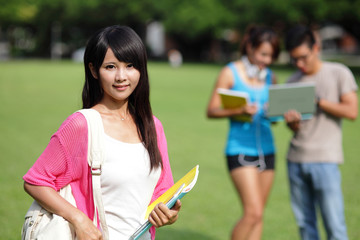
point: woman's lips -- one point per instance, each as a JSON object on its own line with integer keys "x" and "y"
{"x": 121, "y": 87}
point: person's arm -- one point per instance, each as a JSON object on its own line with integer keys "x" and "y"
{"x": 162, "y": 215}
{"x": 51, "y": 172}
{"x": 214, "y": 109}
{"x": 346, "y": 108}
{"x": 49, "y": 199}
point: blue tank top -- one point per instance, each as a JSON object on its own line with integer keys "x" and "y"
{"x": 251, "y": 138}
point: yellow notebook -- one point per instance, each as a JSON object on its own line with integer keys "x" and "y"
{"x": 189, "y": 180}
{"x": 234, "y": 99}
{"x": 177, "y": 191}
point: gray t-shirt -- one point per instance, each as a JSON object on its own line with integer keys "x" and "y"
{"x": 319, "y": 139}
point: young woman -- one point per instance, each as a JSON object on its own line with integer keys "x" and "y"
{"x": 136, "y": 169}
{"x": 250, "y": 150}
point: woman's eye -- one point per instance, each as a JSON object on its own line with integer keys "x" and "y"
{"x": 110, "y": 67}
{"x": 130, "y": 65}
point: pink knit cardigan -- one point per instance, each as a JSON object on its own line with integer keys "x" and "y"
{"x": 64, "y": 161}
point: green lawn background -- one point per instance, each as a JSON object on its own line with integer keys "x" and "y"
{"x": 37, "y": 96}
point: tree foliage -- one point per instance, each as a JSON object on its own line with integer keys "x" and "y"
{"x": 186, "y": 19}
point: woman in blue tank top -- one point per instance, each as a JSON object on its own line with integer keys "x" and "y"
{"x": 250, "y": 150}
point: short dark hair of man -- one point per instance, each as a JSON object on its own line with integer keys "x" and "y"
{"x": 299, "y": 35}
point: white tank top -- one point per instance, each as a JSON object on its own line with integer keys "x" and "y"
{"x": 127, "y": 187}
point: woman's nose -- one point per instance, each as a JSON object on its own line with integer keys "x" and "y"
{"x": 120, "y": 75}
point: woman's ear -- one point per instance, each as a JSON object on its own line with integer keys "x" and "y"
{"x": 249, "y": 49}
{"x": 93, "y": 71}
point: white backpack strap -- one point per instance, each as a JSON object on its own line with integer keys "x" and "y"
{"x": 95, "y": 161}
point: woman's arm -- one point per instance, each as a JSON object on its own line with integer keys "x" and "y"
{"x": 49, "y": 199}
{"x": 214, "y": 109}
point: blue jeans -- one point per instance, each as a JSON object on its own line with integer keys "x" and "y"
{"x": 315, "y": 185}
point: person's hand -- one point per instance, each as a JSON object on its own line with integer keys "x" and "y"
{"x": 292, "y": 119}
{"x": 162, "y": 215}
{"x": 249, "y": 109}
{"x": 85, "y": 229}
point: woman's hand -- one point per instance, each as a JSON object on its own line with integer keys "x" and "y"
{"x": 85, "y": 228}
{"x": 292, "y": 119}
{"x": 49, "y": 199}
{"x": 249, "y": 109}
{"x": 162, "y": 215}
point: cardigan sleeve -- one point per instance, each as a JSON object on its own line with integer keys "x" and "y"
{"x": 62, "y": 161}
{"x": 166, "y": 178}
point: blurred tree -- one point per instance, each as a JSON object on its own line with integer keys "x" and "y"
{"x": 16, "y": 12}
{"x": 193, "y": 18}
{"x": 190, "y": 22}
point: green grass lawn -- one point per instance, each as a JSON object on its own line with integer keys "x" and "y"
{"x": 36, "y": 96}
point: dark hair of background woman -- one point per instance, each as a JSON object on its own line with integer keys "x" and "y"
{"x": 127, "y": 47}
{"x": 256, "y": 35}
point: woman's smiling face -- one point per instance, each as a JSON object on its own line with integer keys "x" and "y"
{"x": 261, "y": 56}
{"x": 118, "y": 79}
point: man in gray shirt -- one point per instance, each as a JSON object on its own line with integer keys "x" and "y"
{"x": 316, "y": 147}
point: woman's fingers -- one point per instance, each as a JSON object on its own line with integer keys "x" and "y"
{"x": 162, "y": 215}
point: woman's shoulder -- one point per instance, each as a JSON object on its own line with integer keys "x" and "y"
{"x": 228, "y": 71}
{"x": 76, "y": 119}
{"x": 158, "y": 127}
{"x": 157, "y": 122}
{"x": 75, "y": 124}
{"x": 238, "y": 64}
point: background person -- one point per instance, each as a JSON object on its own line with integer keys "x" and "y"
{"x": 136, "y": 169}
{"x": 250, "y": 149}
{"x": 316, "y": 147}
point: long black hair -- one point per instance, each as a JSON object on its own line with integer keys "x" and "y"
{"x": 127, "y": 47}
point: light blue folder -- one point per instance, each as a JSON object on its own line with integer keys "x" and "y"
{"x": 291, "y": 96}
